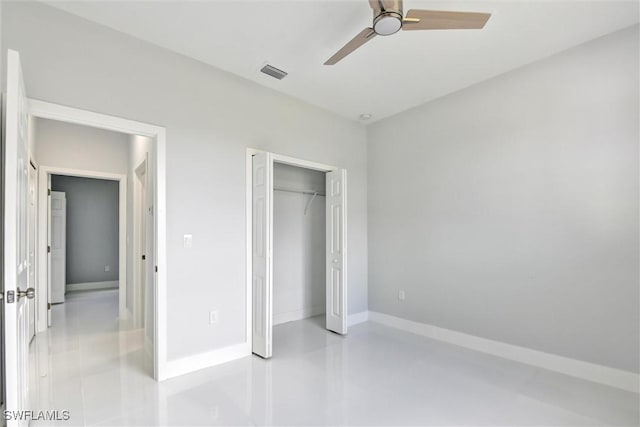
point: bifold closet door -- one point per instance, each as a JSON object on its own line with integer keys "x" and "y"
{"x": 262, "y": 226}
{"x": 336, "y": 276}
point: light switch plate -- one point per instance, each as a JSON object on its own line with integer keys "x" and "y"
{"x": 213, "y": 317}
{"x": 188, "y": 240}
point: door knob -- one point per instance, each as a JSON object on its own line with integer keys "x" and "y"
{"x": 30, "y": 293}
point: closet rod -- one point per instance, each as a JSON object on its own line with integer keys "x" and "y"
{"x": 292, "y": 190}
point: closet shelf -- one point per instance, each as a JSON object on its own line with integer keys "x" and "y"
{"x": 293, "y": 190}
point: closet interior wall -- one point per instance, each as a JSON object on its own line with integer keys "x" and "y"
{"x": 298, "y": 243}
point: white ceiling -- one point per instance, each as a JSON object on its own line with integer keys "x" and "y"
{"x": 384, "y": 77}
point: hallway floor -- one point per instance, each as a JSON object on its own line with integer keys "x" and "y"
{"x": 92, "y": 365}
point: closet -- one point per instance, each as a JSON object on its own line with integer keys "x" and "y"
{"x": 297, "y": 244}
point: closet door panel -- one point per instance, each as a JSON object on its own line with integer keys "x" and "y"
{"x": 262, "y": 303}
{"x": 336, "y": 263}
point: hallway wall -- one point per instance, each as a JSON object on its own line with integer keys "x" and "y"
{"x": 71, "y": 146}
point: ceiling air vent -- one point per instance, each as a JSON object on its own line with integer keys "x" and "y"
{"x": 273, "y": 72}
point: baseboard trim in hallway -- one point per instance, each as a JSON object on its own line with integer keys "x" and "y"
{"x": 617, "y": 378}
{"x": 92, "y": 286}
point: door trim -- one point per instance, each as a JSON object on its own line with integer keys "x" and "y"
{"x": 43, "y": 174}
{"x": 277, "y": 158}
{"x": 66, "y": 114}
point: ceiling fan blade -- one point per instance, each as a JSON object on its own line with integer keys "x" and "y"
{"x": 385, "y": 4}
{"x": 442, "y": 20}
{"x": 364, "y": 36}
{"x": 375, "y": 4}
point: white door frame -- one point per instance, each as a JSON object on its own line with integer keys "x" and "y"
{"x": 136, "y": 244}
{"x": 66, "y": 114}
{"x": 277, "y": 158}
{"x": 35, "y": 231}
{"x": 43, "y": 220}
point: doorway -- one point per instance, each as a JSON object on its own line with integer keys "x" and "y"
{"x": 53, "y": 281}
{"x": 152, "y": 139}
{"x": 260, "y": 249}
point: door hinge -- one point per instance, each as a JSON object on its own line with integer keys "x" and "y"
{"x": 48, "y": 191}
{"x": 156, "y": 268}
{"x": 48, "y": 249}
{"x": 48, "y": 306}
{"x": 11, "y": 297}
{"x": 144, "y": 257}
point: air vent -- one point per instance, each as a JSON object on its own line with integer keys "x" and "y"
{"x": 273, "y": 72}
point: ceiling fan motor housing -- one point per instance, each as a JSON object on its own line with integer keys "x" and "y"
{"x": 387, "y": 17}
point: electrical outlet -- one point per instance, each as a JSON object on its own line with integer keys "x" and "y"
{"x": 401, "y": 295}
{"x": 188, "y": 240}
{"x": 213, "y": 317}
{"x": 107, "y": 268}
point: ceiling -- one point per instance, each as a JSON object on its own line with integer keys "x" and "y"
{"x": 385, "y": 76}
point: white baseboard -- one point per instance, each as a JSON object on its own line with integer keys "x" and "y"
{"x": 91, "y": 286}
{"x": 185, "y": 365}
{"x": 291, "y": 316}
{"x": 355, "y": 318}
{"x": 624, "y": 380}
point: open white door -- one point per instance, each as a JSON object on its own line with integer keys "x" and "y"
{"x": 336, "y": 215}
{"x": 49, "y": 250}
{"x": 58, "y": 245}
{"x": 262, "y": 183}
{"x": 149, "y": 290}
{"x": 16, "y": 260}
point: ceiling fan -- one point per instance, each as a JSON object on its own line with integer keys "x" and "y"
{"x": 387, "y": 20}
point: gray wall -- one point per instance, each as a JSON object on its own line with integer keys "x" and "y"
{"x": 92, "y": 228}
{"x": 211, "y": 118}
{"x": 299, "y": 248}
{"x": 509, "y": 210}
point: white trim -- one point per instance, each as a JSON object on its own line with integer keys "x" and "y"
{"x": 200, "y": 361}
{"x": 136, "y": 242}
{"x": 41, "y": 300}
{"x": 249, "y": 244}
{"x": 92, "y": 286}
{"x": 307, "y": 164}
{"x": 44, "y": 172}
{"x": 62, "y": 113}
{"x": 624, "y": 380}
{"x": 292, "y": 316}
{"x": 158, "y": 133}
{"x": 356, "y": 318}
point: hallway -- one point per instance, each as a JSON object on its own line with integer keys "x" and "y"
{"x": 89, "y": 362}
{"x": 92, "y": 365}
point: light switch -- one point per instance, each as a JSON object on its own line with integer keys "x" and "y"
{"x": 188, "y": 240}
{"x": 213, "y": 317}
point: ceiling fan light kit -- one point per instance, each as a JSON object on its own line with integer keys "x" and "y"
{"x": 387, "y": 23}
{"x": 388, "y": 19}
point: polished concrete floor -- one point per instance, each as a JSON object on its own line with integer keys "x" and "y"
{"x": 92, "y": 365}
